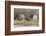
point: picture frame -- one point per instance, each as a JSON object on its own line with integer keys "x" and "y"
{"x": 10, "y": 5}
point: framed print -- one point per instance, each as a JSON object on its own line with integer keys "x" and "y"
{"x": 24, "y": 17}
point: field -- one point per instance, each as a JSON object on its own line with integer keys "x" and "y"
{"x": 26, "y": 23}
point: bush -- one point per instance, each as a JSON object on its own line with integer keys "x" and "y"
{"x": 27, "y": 19}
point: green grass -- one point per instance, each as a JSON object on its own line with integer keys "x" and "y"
{"x": 25, "y": 21}
{"x": 31, "y": 20}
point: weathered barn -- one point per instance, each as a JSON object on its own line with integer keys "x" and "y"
{"x": 28, "y": 13}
